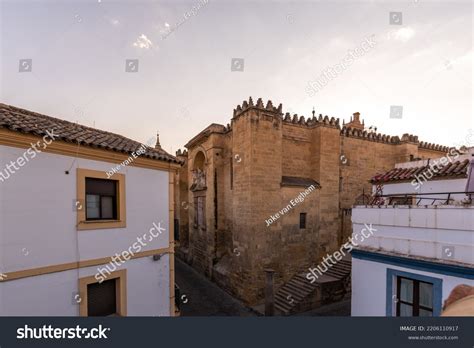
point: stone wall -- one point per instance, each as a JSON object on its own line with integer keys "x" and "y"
{"x": 244, "y": 165}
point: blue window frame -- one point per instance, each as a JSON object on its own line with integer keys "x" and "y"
{"x": 391, "y": 301}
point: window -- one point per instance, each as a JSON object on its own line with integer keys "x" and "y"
{"x": 415, "y": 298}
{"x": 101, "y": 299}
{"x": 101, "y": 199}
{"x": 302, "y": 220}
{"x": 106, "y": 298}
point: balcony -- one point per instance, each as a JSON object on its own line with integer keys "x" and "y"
{"x": 440, "y": 229}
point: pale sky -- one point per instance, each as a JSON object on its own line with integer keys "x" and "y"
{"x": 184, "y": 81}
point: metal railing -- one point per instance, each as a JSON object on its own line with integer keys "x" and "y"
{"x": 416, "y": 198}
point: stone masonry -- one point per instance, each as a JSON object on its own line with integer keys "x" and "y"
{"x": 237, "y": 176}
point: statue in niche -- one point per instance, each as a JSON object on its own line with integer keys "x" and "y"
{"x": 199, "y": 180}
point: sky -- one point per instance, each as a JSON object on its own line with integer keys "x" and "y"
{"x": 190, "y": 63}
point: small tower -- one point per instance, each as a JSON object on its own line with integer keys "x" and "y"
{"x": 158, "y": 145}
{"x": 355, "y": 122}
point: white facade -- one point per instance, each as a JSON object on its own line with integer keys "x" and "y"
{"x": 429, "y": 243}
{"x": 38, "y": 230}
{"x": 369, "y": 286}
{"x": 54, "y": 294}
{"x": 431, "y": 187}
{"x": 419, "y": 231}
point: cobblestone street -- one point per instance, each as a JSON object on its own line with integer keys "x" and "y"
{"x": 201, "y": 297}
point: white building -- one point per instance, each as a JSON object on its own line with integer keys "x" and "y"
{"x": 423, "y": 244}
{"x": 75, "y": 240}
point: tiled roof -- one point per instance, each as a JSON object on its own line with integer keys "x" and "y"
{"x": 296, "y": 181}
{"x": 24, "y": 121}
{"x": 452, "y": 170}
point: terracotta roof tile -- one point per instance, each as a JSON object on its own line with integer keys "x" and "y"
{"x": 452, "y": 170}
{"x": 25, "y": 121}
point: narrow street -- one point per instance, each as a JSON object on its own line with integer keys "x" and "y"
{"x": 201, "y": 297}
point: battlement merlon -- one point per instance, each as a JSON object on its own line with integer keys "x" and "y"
{"x": 355, "y": 128}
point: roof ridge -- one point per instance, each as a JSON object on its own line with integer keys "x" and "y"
{"x": 78, "y": 133}
{"x": 455, "y": 169}
{"x": 63, "y": 120}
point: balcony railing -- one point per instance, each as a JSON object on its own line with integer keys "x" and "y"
{"x": 442, "y": 198}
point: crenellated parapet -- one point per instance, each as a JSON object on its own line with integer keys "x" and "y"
{"x": 259, "y": 105}
{"x": 183, "y": 153}
{"x": 383, "y": 138}
{"x": 354, "y": 129}
{"x": 325, "y": 121}
{"x": 370, "y": 136}
{"x": 311, "y": 122}
{"x": 434, "y": 147}
{"x": 409, "y": 138}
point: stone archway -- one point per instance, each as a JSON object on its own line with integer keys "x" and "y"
{"x": 198, "y": 172}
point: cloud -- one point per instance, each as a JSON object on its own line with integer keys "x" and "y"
{"x": 402, "y": 34}
{"x": 143, "y": 42}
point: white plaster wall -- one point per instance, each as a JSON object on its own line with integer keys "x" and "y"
{"x": 369, "y": 284}
{"x": 148, "y": 291}
{"x": 38, "y": 219}
{"x": 38, "y": 228}
{"x": 419, "y": 231}
{"x": 148, "y": 287}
